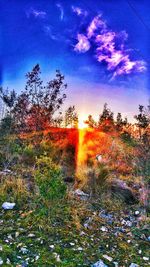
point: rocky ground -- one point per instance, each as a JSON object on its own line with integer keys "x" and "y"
{"x": 101, "y": 237}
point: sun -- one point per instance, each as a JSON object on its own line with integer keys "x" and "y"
{"x": 82, "y": 124}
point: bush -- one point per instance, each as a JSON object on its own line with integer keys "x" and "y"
{"x": 49, "y": 179}
{"x": 13, "y": 190}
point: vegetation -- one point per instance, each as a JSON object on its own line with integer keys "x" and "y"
{"x": 46, "y": 161}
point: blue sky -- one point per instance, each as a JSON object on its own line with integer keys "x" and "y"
{"x": 47, "y": 32}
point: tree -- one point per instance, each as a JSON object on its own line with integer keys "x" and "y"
{"x": 120, "y": 122}
{"x": 71, "y": 117}
{"x": 106, "y": 119}
{"x": 90, "y": 122}
{"x": 143, "y": 119}
{"x": 35, "y": 106}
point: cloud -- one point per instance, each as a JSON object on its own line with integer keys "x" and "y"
{"x": 109, "y": 47}
{"x": 83, "y": 44}
{"x": 36, "y": 13}
{"x": 79, "y": 11}
{"x": 61, "y": 11}
{"x": 49, "y": 32}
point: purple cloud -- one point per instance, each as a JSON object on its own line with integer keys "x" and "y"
{"x": 96, "y": 23}
{"x": 36, "y": 13}
{"x": 83, "y": 44}
{"x": 109, "y": 48}
{"x": 61, "y": 11}
{"x": 79, "y": 11}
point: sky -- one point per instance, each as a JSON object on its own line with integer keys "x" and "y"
{"x": 102, "y": 48}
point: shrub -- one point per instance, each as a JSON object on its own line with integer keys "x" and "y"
{"x": 49, "y": 179}
{"x": 13, "y": 189}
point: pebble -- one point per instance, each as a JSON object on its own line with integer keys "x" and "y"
{"x": 133, "y": 265}
{"x": 145, "y": 258}
{"x": 107, "y": 258}
{"x": 99, "y": 263}
{"x": 8, "y": 205}
{"x": 57, "y": 257}
{"x": 104, "y": 229}
{"x": 1, "y": 261}
{"x": 31, "y": 235}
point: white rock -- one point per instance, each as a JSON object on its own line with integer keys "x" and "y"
{"x": 16, "y": 234}
{"x": 80, "y": 193}
{"x": 136, "y": 212}
{"x": 145, "y": 258}
{"x": 99, "y": 263}
{"x": 104, "y": 229}
{"x": 72, "y": 244}
{"x": 24, "y": 250}
{"x": 79, "y": 248}
{"x": 57, "y": 257}
{"x": 8, "y": 261}
{"x": 37, "y": 257}
{"x": 31, "y": 235}
{"x": 107, "y": 258}
{"x": 115, "y": 263}
{"x": 134, "y": 265}
{"x": 8, "y": 205}
{"x": 1, "y": 261}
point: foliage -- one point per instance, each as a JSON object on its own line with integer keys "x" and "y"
{"x": 49, "y": 179}
{"x": 35, "y": 106}
{"x": 91, "y": 122}
{"x": 71, "y": 117}
{"x": 106, "y": 119}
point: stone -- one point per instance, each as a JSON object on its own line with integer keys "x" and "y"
{"x": 8, "y": 205}
{"x": 146, "y": 258}
{"x": 107, "y": 258}
{"x": 136, "y": 212}
{"x": 104, "y": 229}
{"x": 99, "y": 263}
{"x": 1, "y": 261}
{"x": 133, "y": 265}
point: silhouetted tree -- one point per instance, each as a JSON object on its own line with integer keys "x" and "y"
{"x": 91, "y": 122}
{"x": 142, "y": 119}
{"x": 71, "y": 117}
{"x": 34, "y": 108}
{"x": 106, "y": 119}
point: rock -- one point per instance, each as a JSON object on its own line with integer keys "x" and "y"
{"x": 107, "y": 258}
{"x": 57, "y": 257}
{"x": 148, "y": 238}
{"x": 8, "y": 205}
{"x": 31, "y": 235}
{"x": 120, "y": 189}
{"x": 99, "y": 263}
{"x": 1, "y": 261}
{"x": 133, "y": 265}
{"x": 146, "y": 258}
{"x": 104, "y": 229}
{"x": 81, "y": 194}
{"x": 79, "y": 249}
{"x": 8, "y": 261}
{"x": 24, "y": 250}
